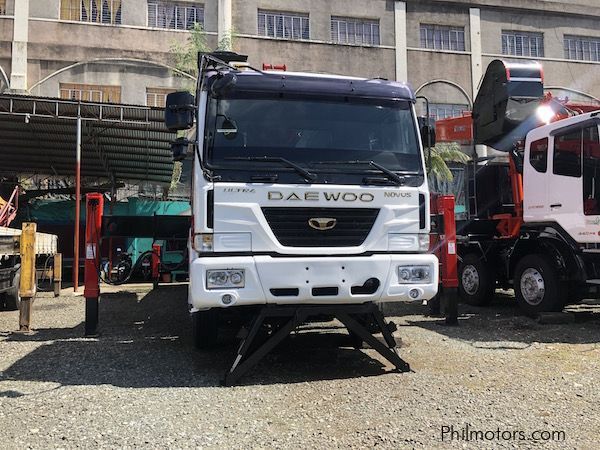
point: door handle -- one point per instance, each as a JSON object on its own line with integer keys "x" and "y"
{"x": 556, "y": 205}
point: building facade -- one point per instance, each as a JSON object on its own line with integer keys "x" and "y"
{"x": 120, "y": 50}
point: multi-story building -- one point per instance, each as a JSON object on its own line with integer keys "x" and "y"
{"x": 120, "y": 50}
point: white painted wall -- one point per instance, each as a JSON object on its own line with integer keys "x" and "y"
{"x": 18, "y": 75}
{"x": 400, "y": 37}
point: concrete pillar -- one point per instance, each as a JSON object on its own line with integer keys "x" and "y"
{"x": 224, "y": 25}
{"x": 400, "y": 37}
{"x": 18, "y": 75}
{"x": 476, "y": 61}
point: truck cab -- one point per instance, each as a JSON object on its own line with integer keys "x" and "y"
{"x": 561, "y": 178}
{"x": 306, "y": 189}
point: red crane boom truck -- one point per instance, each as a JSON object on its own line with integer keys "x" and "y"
{"x": 533, "y": 219}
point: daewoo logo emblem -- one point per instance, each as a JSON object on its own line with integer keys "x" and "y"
{"x": 322, "y": 223}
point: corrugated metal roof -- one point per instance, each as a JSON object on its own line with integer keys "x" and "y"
{"x": 120, "y": 142}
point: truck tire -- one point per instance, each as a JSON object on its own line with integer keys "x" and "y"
{"x": 476, "y": 282}
{"x": 537, "y": 287}
{"x": 205, "y": 329}
{"x": 12, "y": 299}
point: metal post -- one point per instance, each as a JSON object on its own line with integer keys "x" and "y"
{"x": 27, "y": 281}
{"x": 77, "y": 206}
{"x": 155, "y": 265}
{"x": 113, "y": 196}
{"x": 57, "y": 274}
{"x": 449, "y": 258}
{"x": 91, "y": 292}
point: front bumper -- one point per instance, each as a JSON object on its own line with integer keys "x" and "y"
{"x": 267, "y": 277}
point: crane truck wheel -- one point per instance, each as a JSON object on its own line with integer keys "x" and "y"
{"x": 205, "y": 329}
{"x": 476, "y": 283}
{"x": 12, "y": 299}
{"x": 537, "y": 286}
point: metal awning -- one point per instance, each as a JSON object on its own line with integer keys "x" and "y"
{"x": 118, "y": 142}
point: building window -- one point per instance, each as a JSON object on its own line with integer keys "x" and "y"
{"x": 283, "y": 25}
{"x": 97, "y": 11}
{"x": 519, "y": 43}
{"x": 582, "y": 48}
{"x": 90, "y": 92}
{"x": 439, "y": 111}
{"x": 175, "y": 16}
{"x": 157, "y": 97}
{"x": 2, "y": 7}
{"x": 439, "y": 37}
{"x": 346, "y": 30}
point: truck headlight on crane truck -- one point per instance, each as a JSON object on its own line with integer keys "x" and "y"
{"x": 220, "y": 279}
{"x": 414, "y": 274}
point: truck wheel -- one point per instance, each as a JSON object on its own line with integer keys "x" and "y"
{"x": 476, "y": 283}
{"x": 12, "y": 299}
{"x": 537, "y": 286}
{"x": 205, "y": 328}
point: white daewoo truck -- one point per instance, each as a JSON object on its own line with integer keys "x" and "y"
{"x": 307, "y": 190}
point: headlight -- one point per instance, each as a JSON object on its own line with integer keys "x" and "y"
{"x": 203, "y": 242}
{"x": 218, "y": 279}
{"x": 414, "y": 274}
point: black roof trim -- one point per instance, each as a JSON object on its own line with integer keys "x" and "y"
{"x": 281, "y": 82}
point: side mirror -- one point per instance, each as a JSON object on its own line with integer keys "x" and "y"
{"x": 223, "y": 84}
{"x": 428, "y": 136}
{"x": 179, "y": 112}
{"x": 179, "y": 148}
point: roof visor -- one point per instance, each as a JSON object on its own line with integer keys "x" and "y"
{"x": 319, "y": 85}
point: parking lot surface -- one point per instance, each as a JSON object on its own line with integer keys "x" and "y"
{"x": 498, "y": 376}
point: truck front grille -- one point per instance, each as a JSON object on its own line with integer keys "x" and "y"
{"x": 291, "y": 226}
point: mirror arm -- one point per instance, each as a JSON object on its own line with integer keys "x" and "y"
{"x": 179, "y": 148}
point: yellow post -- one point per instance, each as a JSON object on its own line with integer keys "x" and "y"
{"x": 27, "y": 284}
{"x": 57, "y": 274}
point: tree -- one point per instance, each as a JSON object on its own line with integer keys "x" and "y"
{"x": 441, "y": 154}
{"x": 186, "y": 55}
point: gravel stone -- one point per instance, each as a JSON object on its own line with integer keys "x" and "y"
{"x": 141, "y": 384}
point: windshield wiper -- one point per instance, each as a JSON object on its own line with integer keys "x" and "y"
{"x": 308, "y": 176}
{"x": 392, "y": 176}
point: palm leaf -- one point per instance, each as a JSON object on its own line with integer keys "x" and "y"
{"x": 439, "y": 169}
{"x": 443, "y": 153}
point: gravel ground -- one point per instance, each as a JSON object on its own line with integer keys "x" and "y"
{"x": 141, "y": 384}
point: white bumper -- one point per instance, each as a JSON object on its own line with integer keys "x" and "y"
{"x": 263, "y": 274}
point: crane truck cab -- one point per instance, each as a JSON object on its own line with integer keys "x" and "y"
{"x": 545, "y": 241}
{"x": 307, "y": 189}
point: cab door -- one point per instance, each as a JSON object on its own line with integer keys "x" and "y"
{"x": 535, "y": 177}
{"x": 565, "y": 180}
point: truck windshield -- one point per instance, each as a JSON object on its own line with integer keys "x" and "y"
{"x": 247, "y": 134}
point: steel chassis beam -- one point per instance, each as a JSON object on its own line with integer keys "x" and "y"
{"x": 352, "y": 316}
